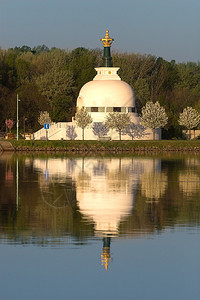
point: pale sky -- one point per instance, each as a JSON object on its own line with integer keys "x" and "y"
{"x": 166, "y": 28}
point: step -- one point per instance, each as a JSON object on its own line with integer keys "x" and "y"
{"x": 6, "y": 146}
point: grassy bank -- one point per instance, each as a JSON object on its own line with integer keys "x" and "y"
{"x": 112, "y": 146}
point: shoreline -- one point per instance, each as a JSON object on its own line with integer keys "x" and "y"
{"x": 187, "y": 146}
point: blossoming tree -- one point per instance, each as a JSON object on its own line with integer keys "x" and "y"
{"x": 44, "y": 118}
{"x": 153, "y": 116}
{"x": 9, "y": 124}
{"x": 83, "y": 120}
{"x": 189, "y": 118}
{"x": 118, "y": 121}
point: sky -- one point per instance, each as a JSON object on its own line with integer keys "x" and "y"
{"x": 165, "y": 28}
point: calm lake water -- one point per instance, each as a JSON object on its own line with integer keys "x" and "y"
{"x": 113, "y": 227}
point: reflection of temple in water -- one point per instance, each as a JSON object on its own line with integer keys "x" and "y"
{"x": 105, "y": 189}
{"x": 78, "y": 198}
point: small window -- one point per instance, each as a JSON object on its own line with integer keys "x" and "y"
{"x": 109, "y": 109}
{"x": 123, "y": 109}
{"x": 94, "y": 109}
{"x": 101, "y": 109}
{"x": 88, "y": 109}
{"x": 131, "y": 109}
{"x": 117, "y": 109}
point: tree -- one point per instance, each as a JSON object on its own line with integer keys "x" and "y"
{"x": 153, "y": 116}
{"x": 118, "y": 121}
{"x": 190, "y": 118}
{"x": 9, "y": 124}
{"x": 62, "y": 109}
{"x": 83, "y": 120}
{"x": 32, "y": 103}
{"x": 82, "y": 63}
{"x": 44, "y": 118}
{"x": 56, "y": 80}
{"x": 100, "y": 129}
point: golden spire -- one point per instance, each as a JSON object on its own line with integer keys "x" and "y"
{"x": 105, "y": 257}
{"x": 107, "y": 41}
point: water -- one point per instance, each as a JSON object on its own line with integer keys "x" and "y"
{"x": 107, "y": 227}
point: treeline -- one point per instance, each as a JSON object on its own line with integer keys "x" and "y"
{"x": 50, "y": 79}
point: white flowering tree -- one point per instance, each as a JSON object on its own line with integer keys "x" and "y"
{"x": 44, "y": 118}
{"x": 118, "y": 121}
{"x": 83, "y": 120}
{"x": 153, "y": 116}
{"x": 189, "y": 118}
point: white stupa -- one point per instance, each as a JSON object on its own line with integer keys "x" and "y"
{"x": 105, "y": 94}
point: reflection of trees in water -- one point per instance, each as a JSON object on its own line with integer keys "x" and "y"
{"x": 153, "y": 185}
{"x": 193, "y": 162}
{"x": 100, "y": 168}
{"x": 118, "y": 180}
{"x": 41, "y": 220}
{"x": 83, "y": 180}
{"x": 70, "y": 165}
{"x": 189, "y": 182}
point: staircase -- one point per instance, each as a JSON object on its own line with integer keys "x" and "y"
{"x": 56, "y": 131}
{"x": 6, "y": 146}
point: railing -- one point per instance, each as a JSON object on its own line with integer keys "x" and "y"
{"x": 53, "y": 129}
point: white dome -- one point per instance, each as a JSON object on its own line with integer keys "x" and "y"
{"x": 106, "y": 90}
{"x": 104, "y": 93}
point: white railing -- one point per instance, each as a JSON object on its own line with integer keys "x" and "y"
{"x": 54, "y": 128}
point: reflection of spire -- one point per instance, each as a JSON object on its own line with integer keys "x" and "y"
{"x": 105, "y": 256}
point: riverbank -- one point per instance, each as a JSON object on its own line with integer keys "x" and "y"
{"x": 108, "y": 146}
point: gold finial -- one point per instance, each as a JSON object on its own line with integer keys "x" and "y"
{"x": 107, "y": 41}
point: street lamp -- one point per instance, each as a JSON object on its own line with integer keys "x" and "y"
{"x": 18, "y": 117}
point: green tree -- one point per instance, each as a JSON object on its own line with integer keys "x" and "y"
{"x": 153, "y": 116}
{"x": 82, "y": 63}
{"x": 56, "y": 81}
{"x": 63, "y": 109}
{"x": 23, "y": 69}
{"x": 118, "y": 121}
{"x": 83, "y": 120}
{"x": 32, "y": 102}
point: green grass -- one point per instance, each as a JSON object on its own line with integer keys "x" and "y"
{"x": 163, "y": 145}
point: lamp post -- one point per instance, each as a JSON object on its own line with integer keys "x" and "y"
{"x": 18, "y": 117}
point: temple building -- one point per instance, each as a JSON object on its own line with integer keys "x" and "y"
{"x": 105, "y": 94}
